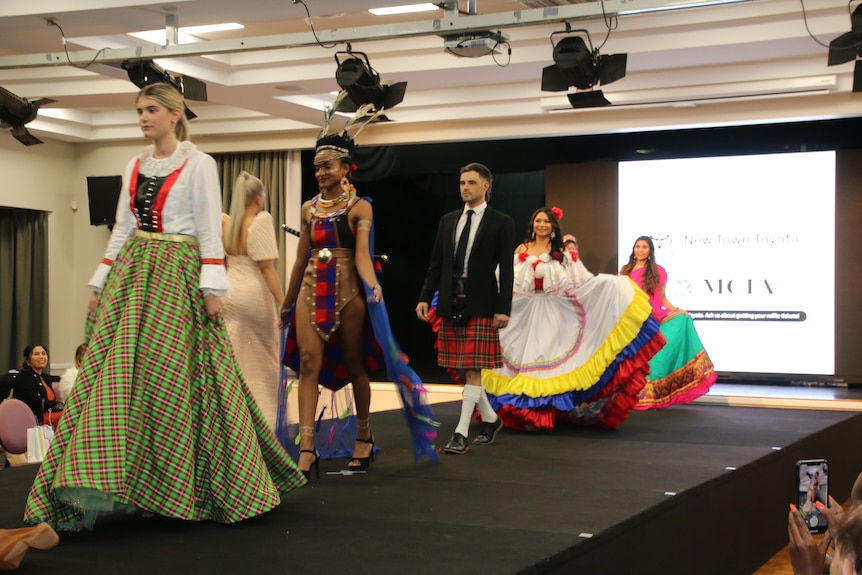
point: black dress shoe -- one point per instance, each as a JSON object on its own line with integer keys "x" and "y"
{"x": 488, "y": 432}
{"x": 458, "y": 444}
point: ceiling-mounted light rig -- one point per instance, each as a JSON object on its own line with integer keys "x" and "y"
{"x": 16, "y": 112}
{"x": 144, "y": 71}
{"x": 578, "y": 64}
{"x": 848, "y": 47}
{"x": 362, "y": 84}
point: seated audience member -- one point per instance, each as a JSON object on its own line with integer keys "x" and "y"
{"x": 33, "y": 383}
{"x": 67, "y": 380}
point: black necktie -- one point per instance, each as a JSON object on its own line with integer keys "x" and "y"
{"x": 461, "y": 249}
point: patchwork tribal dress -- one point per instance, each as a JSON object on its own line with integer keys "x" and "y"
{"x": 576, "y": 348}
{"x": 329, "y": 282}
{"x": 160, "y": 418}
{"x": 682, "y": 371}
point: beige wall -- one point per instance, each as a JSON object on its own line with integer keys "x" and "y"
{"x": 43, "y": 178}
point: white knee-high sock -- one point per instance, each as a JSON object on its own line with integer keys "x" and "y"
{"x": 488, "y": 413}
{"x": 470, "y": 398}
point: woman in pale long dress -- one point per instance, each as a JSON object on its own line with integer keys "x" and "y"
{"x": 250, "y": 311}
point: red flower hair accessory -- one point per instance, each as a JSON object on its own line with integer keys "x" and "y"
{"x": 557, "y": 212}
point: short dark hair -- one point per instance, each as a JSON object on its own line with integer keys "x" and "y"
{"x": 480, "y": 169}
{"x": 483, "y": 171}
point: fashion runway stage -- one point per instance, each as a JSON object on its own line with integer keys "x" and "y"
{"x": 691, "y": 489}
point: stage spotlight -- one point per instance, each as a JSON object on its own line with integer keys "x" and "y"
{"x": 362, "y": 84}
{"x": 848, "y": 46}
{"x": 16, "y": 112}
{"x": 144, "y": 72}
{"x": 582, "y": 67}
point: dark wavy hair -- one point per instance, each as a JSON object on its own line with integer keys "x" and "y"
{"x": 25, "y": 360}
{"x": 557, "y": 244}
{"x": 651, "y": 275}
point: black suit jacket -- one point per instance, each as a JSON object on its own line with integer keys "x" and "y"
{"x": 493, "y": 246}
{"x": 28, "y": 387}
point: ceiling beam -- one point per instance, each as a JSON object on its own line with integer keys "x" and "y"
{"x": 451, "y": 24}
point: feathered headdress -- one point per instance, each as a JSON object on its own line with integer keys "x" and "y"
{"x": 339, "y": 145}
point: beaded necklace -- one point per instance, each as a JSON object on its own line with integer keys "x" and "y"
{"x": 327, "y": 203}
{"x": 346, "y": 196}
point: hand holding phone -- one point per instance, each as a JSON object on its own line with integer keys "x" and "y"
{"x": 812, "y": 486}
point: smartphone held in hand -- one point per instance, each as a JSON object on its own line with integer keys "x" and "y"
{"x": 812, "y": 485}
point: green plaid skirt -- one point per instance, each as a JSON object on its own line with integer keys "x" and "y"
{"x": 160, "y": 418}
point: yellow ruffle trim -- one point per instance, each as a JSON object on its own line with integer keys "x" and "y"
{"x": 584, "y": 377}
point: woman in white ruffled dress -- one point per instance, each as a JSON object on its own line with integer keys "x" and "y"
{"x": 577, "y": 346}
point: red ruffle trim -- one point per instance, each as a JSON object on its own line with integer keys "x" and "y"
{"x": 620, "y": 396}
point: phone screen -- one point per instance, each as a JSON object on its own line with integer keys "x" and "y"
{"x": 813, "y": 486}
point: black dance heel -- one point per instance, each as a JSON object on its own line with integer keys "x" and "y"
{"x": 315, "y": 464}
{"x": 364, "y": 462}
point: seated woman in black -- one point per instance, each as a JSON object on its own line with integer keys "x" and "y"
{"x": 33, "y": 385}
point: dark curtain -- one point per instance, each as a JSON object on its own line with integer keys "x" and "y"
{"x": 23, "y": 283}
{"x": 271, "y": 168}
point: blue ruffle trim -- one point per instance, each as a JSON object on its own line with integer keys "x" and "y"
{"x": 571, "y": 399}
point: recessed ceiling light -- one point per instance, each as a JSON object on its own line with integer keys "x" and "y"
{"x": 405, "y": 9}
{"x": 185, "y": 35}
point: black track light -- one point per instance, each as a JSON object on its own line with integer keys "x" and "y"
{"x": 362, "y": 84}
{"x": 16, "y": 112}
{"x": 581, "y": 66}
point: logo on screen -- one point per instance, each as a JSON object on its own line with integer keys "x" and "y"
{"x": 739, "y": 286}
{"x": 661, "y": 240}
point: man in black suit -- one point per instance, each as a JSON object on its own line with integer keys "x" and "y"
{"x": 471, "y": 243}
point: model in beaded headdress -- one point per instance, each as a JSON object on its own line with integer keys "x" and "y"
{"x": 331, "y": 325}
{"x": 332, "y": 292}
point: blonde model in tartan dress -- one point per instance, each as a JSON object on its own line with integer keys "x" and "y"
{"x": 161, "y": 419}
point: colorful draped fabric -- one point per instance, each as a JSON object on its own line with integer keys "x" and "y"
{"x": 682, "y": 371}
{"x": 576, "y": 350}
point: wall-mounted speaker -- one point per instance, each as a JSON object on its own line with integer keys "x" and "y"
{"x": 103, "y": 192}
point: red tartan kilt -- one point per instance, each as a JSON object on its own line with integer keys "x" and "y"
{"x": 474, "y": 346}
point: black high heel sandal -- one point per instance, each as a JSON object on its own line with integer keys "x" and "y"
{"x": 364, "y": 462}
{"x": 315, "y": 464}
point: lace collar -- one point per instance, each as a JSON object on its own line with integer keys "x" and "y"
{"x": 163, "y": 167}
